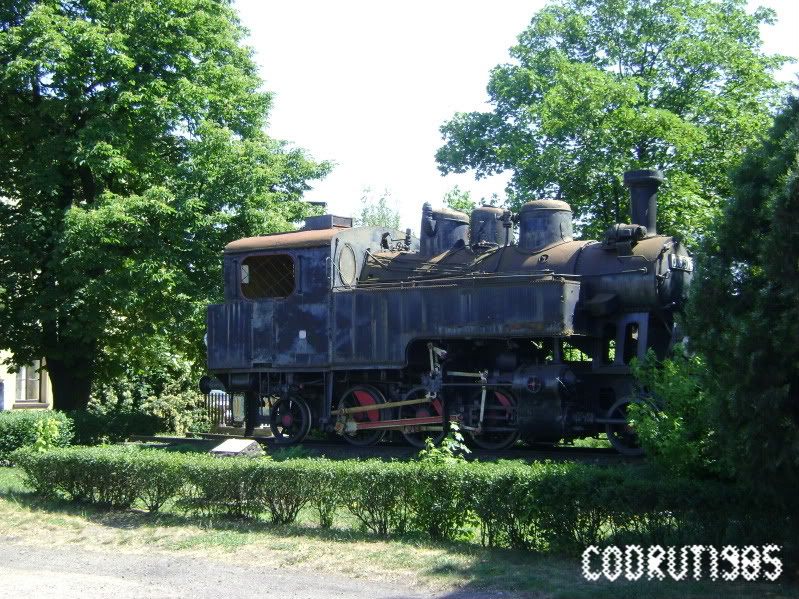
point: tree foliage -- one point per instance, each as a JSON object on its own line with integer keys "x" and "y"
{"x": 460, "y": 200}
{"x": 133, "y": 149}
{"x": 599, "y": 87}
{"x": 377, "y": 210}
{"x": 743, "y": 313}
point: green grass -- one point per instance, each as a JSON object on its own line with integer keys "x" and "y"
{"x": 599, "y": 443}
{"x": 344, "y": 550}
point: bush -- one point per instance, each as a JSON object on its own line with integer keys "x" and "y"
{"x": 677, "y": 430}
{"x": 101, "y": 475}
{"x": 489, "y": 488}
{"x": 285, "y": 488}
{"x": 95, "y": 428}
{"x": 223, "y": 486}
{"x": 19, "y": 429}
{"x": 325, "y": 479}
{"x": 159, "y": 476}
{"x": 552, "y": 507}
{"x": 162, "y": 397}
{"x": 379, "y": 494}
{"x": 439, "y": 505}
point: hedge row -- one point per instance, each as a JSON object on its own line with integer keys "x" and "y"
{"x": 546, "y": 507}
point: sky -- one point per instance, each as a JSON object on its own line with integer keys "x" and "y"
{"x": 367, "y": 85}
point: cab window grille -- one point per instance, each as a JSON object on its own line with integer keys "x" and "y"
{"x": 267, "y": 276}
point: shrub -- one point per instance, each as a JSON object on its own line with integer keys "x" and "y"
{"x": 47, "y": 434}
{"x": 19, "y": 429}
{"x": 489, "y": 488}
{"x": 164, "y": 393}
{"x": 379, "y": 494}
{"x": 438, "y": 503}
{"x": 41, "y": 471}
{"x": 554, "y": 507}
{"x": 285, "y": 488}
{"x": 678, "y": 433}
{"x": 568, "y": 504}
{"x": 439, "y": 506}
{"x": 158, "y": 476}
{"x": 102, "y": 475}
{"x": 228, "y": 486}
{"x": 95, "y": 428}
{"x": 326, "y": 479}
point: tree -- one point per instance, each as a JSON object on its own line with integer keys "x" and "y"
{"x": 743, "y": 314}
{"x": 133, "y": 149}
{"x": 456, "y": 199}
{"x": 376, "y": 211}
{"x": 604, "y": 86}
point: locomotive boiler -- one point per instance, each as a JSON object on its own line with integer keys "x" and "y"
{"x": 363, "y": 330}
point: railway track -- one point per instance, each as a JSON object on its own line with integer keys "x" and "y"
{"x": 340, "y": 449}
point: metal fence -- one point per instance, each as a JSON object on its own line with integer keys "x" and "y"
{"x": 218, "y": 406}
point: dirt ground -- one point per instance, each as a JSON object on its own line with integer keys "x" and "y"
{"x": 36, "y": 572}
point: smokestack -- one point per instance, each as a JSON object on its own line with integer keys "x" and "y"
{"x": 643, "y": 198}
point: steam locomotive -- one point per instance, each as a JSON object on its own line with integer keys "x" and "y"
{"x": 363, "y": 330}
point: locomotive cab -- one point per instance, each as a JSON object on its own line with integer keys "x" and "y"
{"x": 277, "y": 289}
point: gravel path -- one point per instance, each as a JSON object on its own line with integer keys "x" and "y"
{"x": 31, "y": 572}
{"x": 35, "y": 572}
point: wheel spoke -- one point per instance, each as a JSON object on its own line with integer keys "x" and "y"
{"x": 358, "y": 396}
{"x": 499, "y": 414}
{"x": 417, "y": 436}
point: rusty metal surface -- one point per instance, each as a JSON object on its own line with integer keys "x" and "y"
{"x": 276, "y": 241}
{"x": 229, "y": 341}
{"x": 374, "y": 326}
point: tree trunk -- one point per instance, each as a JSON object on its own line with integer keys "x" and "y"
{"x": 72, "y": 382}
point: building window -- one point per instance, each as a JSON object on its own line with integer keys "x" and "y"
{"x": 29, "y": 382}
{"x": 267, "y": 276}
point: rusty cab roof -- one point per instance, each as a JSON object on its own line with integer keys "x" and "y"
{"x": 283, "y": 241}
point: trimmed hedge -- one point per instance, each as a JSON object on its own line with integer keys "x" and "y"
{"x": 18, "y": 429}
{"x": 556, "y": 507}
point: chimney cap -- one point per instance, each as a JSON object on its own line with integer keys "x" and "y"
{"x": 643, "y": 176}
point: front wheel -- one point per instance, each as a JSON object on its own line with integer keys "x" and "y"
{"x": 622, "y": 437}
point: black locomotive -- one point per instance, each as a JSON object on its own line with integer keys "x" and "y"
{"x": 364, "y": 330}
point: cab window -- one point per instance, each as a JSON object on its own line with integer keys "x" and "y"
{"x": 267, "y": 276}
